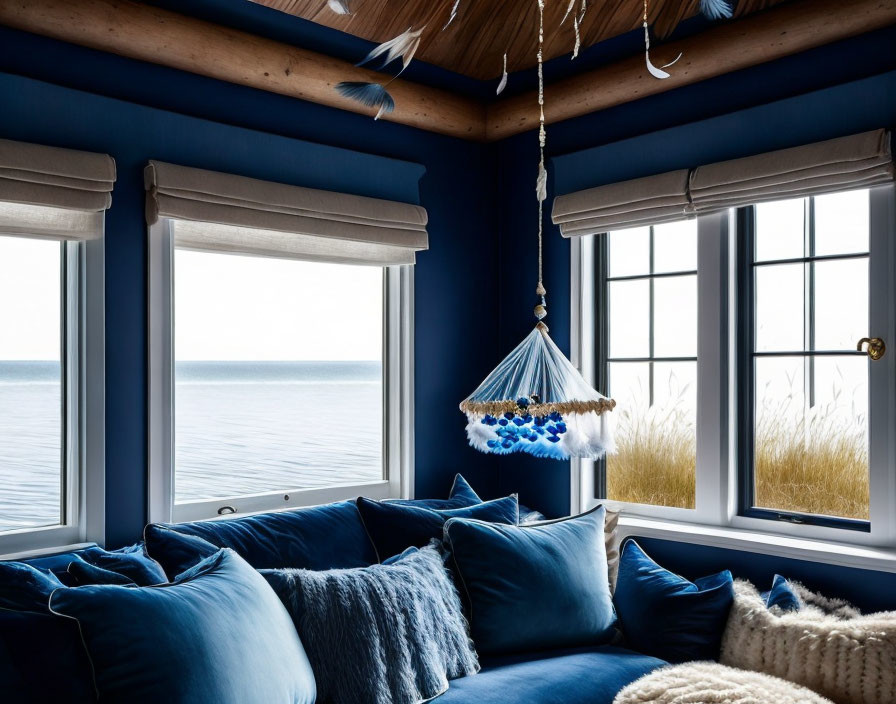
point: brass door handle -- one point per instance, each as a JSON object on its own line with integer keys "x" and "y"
{"x": 876, "y": 347}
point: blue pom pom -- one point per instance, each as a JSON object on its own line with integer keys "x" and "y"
{"x": 561, "y": 427}
{"x": 502, "y": 422}
{"x": 508, "y": 415}
{"x": 532, "y": 438}
{"x": 492, "y": 443}
{"x": 527, "y": 418}
{"x": 540, "y": 431}
{"x": 552, "y": 430}
{"x": 518, "y": 421}
{"x": 522, "y": 402}
{"x": 539, "y": 421}
{"x": 555, "y": 416}
{"x": 553, "y": 438}
{"x": 507, "y": 444}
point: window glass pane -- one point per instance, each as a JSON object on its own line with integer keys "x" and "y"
{"x": 656, "y": 459}
{"x": 629, "y": 318}
{"x": 841, "y": 223}
{"x": 675, "y": 246}
{"x": 278, "y": 375}
{"x": 841, "y": 303}
{"x": 780, "y": 308}
{"x": 630, "y": 252}
{"x": 780, "y": 230}
{"x": 31, "y": 421}
{"x": 811, "y": 435}
{"x": 675, "y": 316}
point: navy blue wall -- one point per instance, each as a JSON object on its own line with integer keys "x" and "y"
{"x": 840, "y": 89}
{"x": 256, "y": 133}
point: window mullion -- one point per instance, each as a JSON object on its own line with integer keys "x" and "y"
{"x": 713, "y": 500}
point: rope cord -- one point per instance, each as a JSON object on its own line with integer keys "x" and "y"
{"x": 540, "y": 185}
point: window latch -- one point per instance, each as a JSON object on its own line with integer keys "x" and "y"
{"x": 875, "y": 349}
{"x": 790, "y": 518}
{"x": 225, "y": 510}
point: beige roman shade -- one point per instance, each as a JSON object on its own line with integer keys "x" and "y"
{"x": 226, "y": 213}
{"x": 644, "y": 201}
{"x": 845, "y": 163}
{"x": 52, "y": 192}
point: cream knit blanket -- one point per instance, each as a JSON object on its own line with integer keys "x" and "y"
{"x": 711, "y": 683}
{"x": 827, "y": 646}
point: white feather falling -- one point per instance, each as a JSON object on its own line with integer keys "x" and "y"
{"x": 340, "y": 7}
{"x": 655, "y": 71}
{"x": 572, "y": 4}
{"x": 405, "y": 45}
{"x": 453, "y": 14}
{"x": 502, "y": 84}
{"x": 578, "y": 44}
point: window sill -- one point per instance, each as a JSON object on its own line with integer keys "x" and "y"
{"x": 41, "y": 552}
{"x": 832, "y": 553}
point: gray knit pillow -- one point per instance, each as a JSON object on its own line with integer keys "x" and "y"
{"x": 382, "y": 634}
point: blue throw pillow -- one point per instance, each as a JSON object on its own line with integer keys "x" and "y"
{"x": 37, "y": 644}
{"x": 667, "y": 616}
{"x": 394, "y": 527}
{"x": 131, "y": 562}
{"x": 382, "y": 634}
{"x": 534, "y": 587}
{"x": 460, "y": 496}
{"x": 316, "y": 538}
{"x": 217, "y": 634}
{"x": 782, "y": 596}
{"x": 83, "y": 573}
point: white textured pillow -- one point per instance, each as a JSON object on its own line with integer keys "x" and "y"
{"x": 711, "y": 683}
{"x": 828, "y": 645}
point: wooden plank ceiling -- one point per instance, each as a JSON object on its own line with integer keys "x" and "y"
{"x": 474, "y": 44}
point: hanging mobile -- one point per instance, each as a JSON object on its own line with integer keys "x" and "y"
{"x": 536, "y": 401}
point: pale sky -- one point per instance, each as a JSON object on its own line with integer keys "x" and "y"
{"x": 227, "y": 307}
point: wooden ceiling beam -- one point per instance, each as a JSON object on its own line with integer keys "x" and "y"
{"x": 774, "y": 34}
{"x": 161, "y": 37}
{"x": 158, "y": 36}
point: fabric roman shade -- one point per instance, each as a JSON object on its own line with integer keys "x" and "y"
{"x": 227, "y": 213}
{"x": 845, "y": 163}
{"x": 52, "y": 192}
{"x": 643, "y": 201}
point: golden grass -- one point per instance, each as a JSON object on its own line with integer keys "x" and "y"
{"x": 818, "y": 464}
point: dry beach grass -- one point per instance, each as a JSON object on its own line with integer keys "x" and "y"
{"x": 818, "y": 464}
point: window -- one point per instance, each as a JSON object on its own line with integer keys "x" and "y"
{"x": 287, "y": 382}
{"x": 278, "y": 375}
{"x": 730, "y": 344}
{"x": 804, "y": 385}
{"x": 650, "y": 278}
{"x": 50, "y": 461}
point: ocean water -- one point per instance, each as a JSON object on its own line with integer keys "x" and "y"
{"x": 240, "y": 428}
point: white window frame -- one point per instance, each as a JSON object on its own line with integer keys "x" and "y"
{"x": 398, "y": 402}
{"x": 715, "y": 520}
{"x": 83, "y": 366}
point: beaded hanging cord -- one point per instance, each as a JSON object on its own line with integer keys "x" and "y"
{"x": 541, "y": 182}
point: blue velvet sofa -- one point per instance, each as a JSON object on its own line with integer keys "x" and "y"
{"x": 33, "y": 644}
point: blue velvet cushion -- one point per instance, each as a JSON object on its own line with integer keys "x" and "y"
{"x": 460, "y": 496}
{"x": 316, "y": 538}
{"x": 537, "y": 586}
{"x": 665, "y": 615}
{"x": 217, "y": 634}
{"x": 83, "y": 573}
{"x": 382, "y": 634}
{"x": 394, "y": 527}
{"x": 132, "y": 562}
{"x": 782, "y": 596}
{"x": 44, "y": 660}
{"x": 581, "y": 676}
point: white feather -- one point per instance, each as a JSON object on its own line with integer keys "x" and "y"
{"x": 340, "y": 7}
{"x": 541, "y": 184}
{"x": 572, "y": 4}
{"x": 453, "y": 14}
{"x": 578, "y": 45}
{"x": 656, "y": 72}
{"x": 502, "y": 84}
{"x": 404, "y": 45}
{"x": 716, "y": 9}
